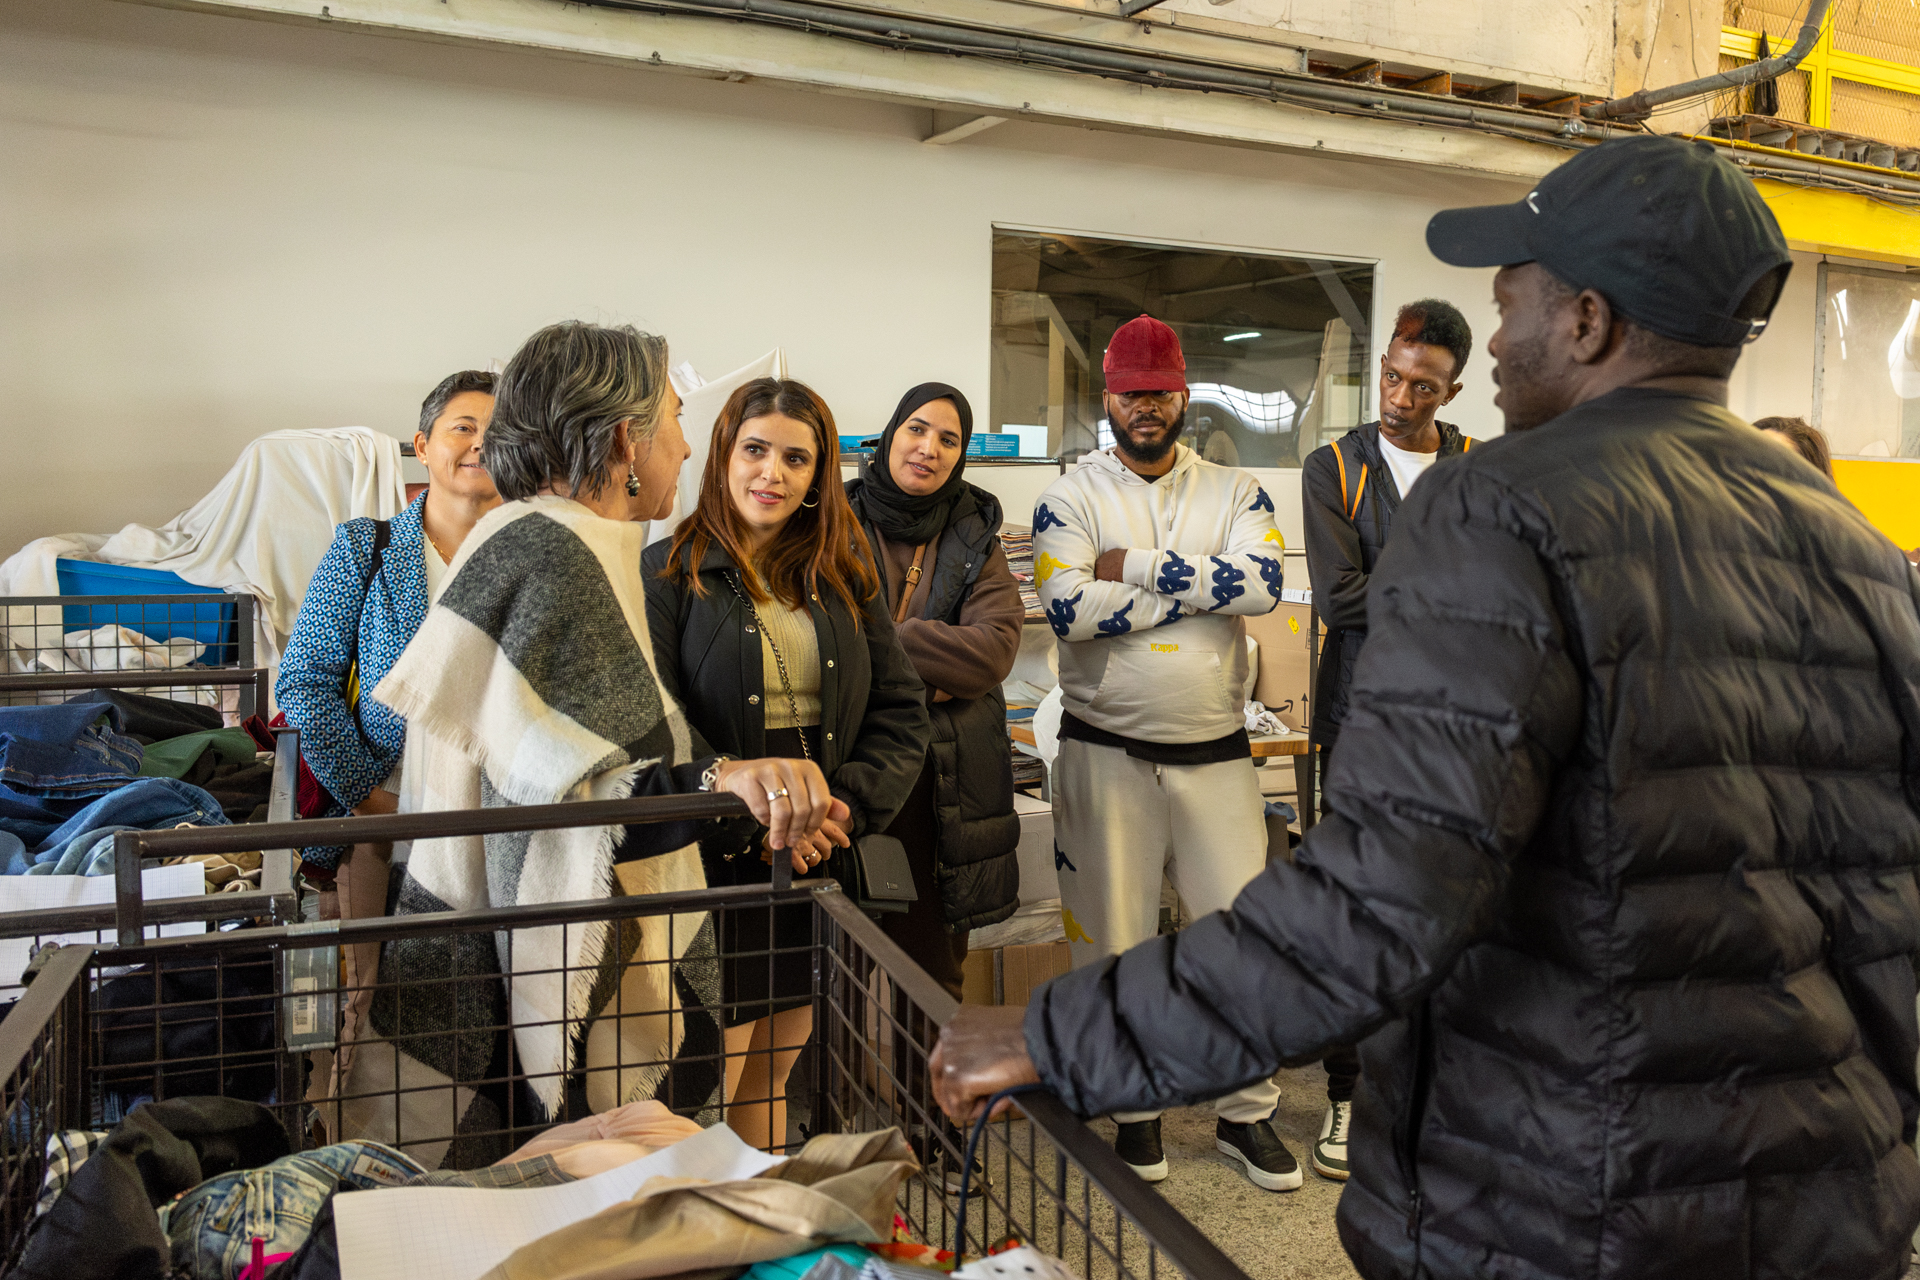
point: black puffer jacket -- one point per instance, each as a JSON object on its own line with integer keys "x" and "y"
{"x": 1623, "y": 865}
{"x": 1343, "y": 548}
{"x": 873, "y": 717}
{"x": 972, "y": 756}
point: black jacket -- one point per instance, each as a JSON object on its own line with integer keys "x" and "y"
{"x": 1621, "y": 872}
{"x": 873, "y": 717}
{"x": 1347, "y": 516}
{"x": 970, "y": 752}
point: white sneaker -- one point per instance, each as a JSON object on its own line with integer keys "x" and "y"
{"x": 1329, "y": 1158}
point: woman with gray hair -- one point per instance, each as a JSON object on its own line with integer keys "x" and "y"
{"x": 532, "y": 682}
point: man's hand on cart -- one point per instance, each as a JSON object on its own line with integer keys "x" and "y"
{"x": 982, "y": 1050}
{"x": 788, "y": 797}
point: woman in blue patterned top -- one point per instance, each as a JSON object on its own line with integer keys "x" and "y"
{"x": 366, "y": 600}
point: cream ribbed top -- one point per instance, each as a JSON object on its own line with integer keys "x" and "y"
{"x": 792, "y": 631}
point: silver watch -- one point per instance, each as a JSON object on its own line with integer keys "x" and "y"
{"x": 712, "y": 774}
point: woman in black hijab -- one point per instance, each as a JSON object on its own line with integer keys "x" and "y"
{"x": 958, "y": 614}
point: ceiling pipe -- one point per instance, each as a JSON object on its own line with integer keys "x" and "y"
{"x": 1639, "y": 106}
{"x": 1374, "y": 102}
{"x": 931, "y": 37}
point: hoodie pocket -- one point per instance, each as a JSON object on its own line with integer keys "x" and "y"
{"x": 1165, "y": 692}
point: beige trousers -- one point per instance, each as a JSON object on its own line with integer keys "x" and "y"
{"x": 359, "y": 892}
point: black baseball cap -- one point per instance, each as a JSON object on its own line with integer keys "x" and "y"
{"x": 1671, "y": 233}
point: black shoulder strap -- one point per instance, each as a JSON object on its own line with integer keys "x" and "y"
{"x": 382, "y": 535}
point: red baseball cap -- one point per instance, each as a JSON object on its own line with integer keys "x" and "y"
{"x": 1144, "y": 356}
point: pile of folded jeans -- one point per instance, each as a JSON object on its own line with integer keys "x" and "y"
{"x": 71, "y": 778}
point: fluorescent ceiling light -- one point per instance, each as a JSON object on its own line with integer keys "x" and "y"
{"x": 1241, "y": 337}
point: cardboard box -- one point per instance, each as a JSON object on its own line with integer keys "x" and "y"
{"x": 1009, "y": 975}
{"x": 1019, "y": 971}
{"x": 1039, "y": 879}
{"x": 976, "y": 977}
{"x": 1282, "y": 685}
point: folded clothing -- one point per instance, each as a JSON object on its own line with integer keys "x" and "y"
{"x": 181, "y": 1028}
{"x": 839, "y": 1189}
{"x": 144, "y": 804}
{"x": 68, "y": 751}
{"x": 213, "y": 1226}
{"x": 647, "y": 1122}
{"x": 147, "y": 719}
{"x": 174, "y": 757}
{"x": 226, "y": 872}
{"x": 67, "y": 1150}
{"x": 105, "y": 1223}
{"x": 225, "y": 763}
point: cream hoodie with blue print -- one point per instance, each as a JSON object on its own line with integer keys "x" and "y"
{"x": 1160, "y": 656}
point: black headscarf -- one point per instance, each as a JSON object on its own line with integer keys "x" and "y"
{"x": 899, "y": 515}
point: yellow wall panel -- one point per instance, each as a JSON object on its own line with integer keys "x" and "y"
{"x": 1887, "y": 493}
{"x": 1841, "y": 222}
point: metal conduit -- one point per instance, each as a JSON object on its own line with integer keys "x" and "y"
{"x": 1374, "y": 102}
{"x": 1639, "y": 106}
{"x": 932, "y": 37}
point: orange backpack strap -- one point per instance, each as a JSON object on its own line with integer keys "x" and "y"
{"x": 1466, "y": 443}
{"x": 1352, "y": 500}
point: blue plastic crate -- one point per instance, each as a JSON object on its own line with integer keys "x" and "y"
{"x": 214, "y": 625}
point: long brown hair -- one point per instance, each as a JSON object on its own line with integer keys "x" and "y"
{"x": 1807, "y": 440}
{"x": 819, "y": 549}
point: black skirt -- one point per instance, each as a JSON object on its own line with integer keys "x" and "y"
{"x": 766, "y": 953}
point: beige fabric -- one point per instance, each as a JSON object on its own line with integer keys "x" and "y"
{"x": 841, "y": 1188}
{"x": 225, "y": 872}
{"x": 359, "y": 893}
{"x": 646, "y": 1121}
{"x": 792, "y": 630}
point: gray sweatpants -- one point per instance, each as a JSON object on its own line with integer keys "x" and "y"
{"x": 1118, "y": 823}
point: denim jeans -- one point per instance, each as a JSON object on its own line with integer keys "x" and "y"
{"x": 148, "y": 804}
{"x": 213, "y": 1226}
{"x": 67, "y": 752}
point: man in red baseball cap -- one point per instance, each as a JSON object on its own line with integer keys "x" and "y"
{"x": 1146, "y": 556}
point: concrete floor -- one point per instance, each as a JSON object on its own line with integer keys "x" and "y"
{"x": 1271, "y": 1235}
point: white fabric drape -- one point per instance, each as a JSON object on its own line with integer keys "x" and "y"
{"x": 261, "y": 530}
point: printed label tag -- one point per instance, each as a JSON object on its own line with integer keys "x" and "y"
{"x": 311, "y": 987}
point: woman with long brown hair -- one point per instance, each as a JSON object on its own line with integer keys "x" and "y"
{"x": 769, "y": 627}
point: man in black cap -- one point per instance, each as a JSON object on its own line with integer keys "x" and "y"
{"x": 1620, "y": 879}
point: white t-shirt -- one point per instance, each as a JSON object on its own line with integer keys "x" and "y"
{"x": 1406, "y": 465}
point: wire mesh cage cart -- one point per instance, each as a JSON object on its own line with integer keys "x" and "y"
{"x": 275, "y": 902}
{"x": 194, "y": 648}
{"x": 253, "y": 1013}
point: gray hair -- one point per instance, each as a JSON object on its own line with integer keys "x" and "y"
{"x": 450, "y": 386}
{"x": 560, "y": 401}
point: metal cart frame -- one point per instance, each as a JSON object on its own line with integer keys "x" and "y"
{"x": 242, "y": 673}
{"x": 1053, "y": 1182}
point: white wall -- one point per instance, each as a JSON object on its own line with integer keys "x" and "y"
{"x": 217, "y": 228}
{"x": 1775, "y": 376}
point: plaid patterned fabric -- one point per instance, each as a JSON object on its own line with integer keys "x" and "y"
{"x": 536, "y": 1171}
{"x": 67, "y": 1150}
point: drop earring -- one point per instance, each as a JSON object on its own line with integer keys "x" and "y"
{"x": 814, "y": 503}
{"x": 633, "y": 483}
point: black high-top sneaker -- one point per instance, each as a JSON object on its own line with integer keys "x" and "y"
{"x": 1138, "y": 1144}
